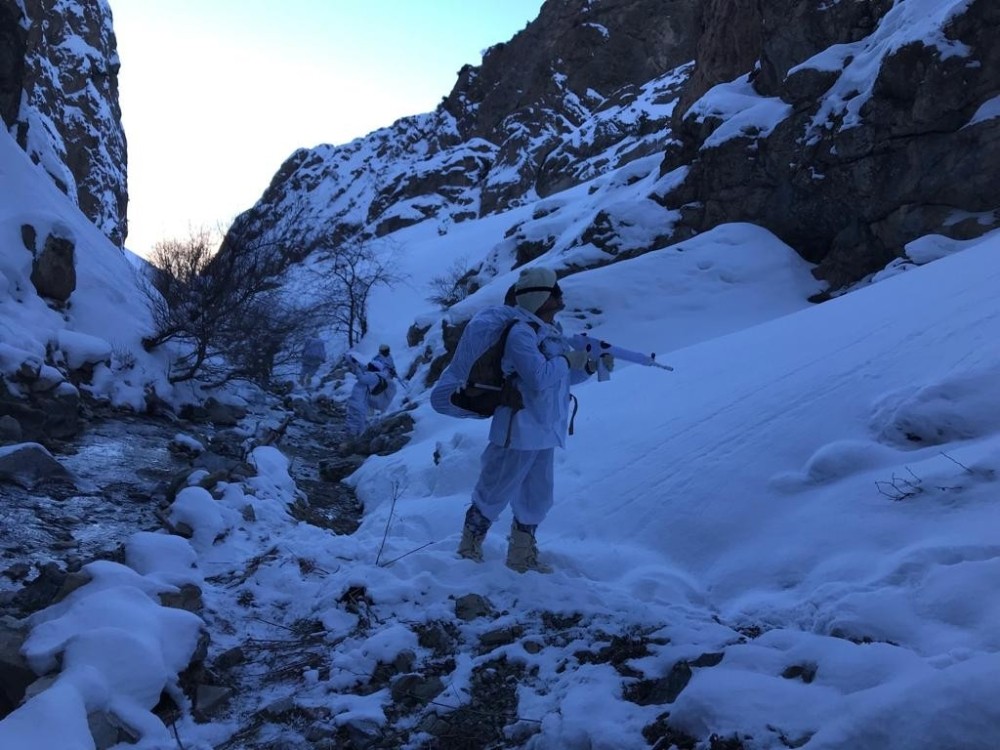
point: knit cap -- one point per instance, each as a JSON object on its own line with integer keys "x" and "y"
{"x": 534, "y": 286}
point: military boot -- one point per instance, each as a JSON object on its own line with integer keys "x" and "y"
{"x": 473, "y": 534}
{"x": 522, "y": 551}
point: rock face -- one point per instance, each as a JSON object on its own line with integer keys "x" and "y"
{"x": 873, "y": 138}
{"x": 12, "y": 49}
{"x": 59, "y": 97}
{"x": 574, "y": 46}
{"x": 553, "y": 107}
{"x": 850, "y": 175}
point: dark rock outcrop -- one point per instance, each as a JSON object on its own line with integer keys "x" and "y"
{"x": 53, "y": 270}
{"x": 846, "y": 193}
{"x": 574, "y": 46}
{"x": 74, "y": 115}
{"x": 548, "y": 80}
{"x": 12, "y": 50}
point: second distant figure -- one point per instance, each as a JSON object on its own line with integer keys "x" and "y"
{"x": 313, "y": 355}
{"x": 385, "y": 361}
{"x": 372, "y": 394}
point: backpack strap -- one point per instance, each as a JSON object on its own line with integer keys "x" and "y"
{"x": 572, "y": 416}
{"x": 379, "y": 387}
{"x": 504, "y": 335}
{"x": 513, "y": 395}
{"x": 506, "y": 332}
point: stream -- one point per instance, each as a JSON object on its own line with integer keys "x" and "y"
{"x": 124, "y": 470}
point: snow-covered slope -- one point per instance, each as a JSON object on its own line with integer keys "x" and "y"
{"x": 105, "y": 317}
{"x": 798, "y": 520}
{"x": 816, "y": 493}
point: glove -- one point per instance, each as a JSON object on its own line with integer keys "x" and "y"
{"x": 577, "y": 360}
{"x": 605, "y": 364}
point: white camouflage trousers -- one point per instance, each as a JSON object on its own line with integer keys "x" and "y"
{"x": 521, "y": 479}
{"x": 358, "y": 410}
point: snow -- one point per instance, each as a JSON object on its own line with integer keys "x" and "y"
{"x": 812, "y": 487}
{"x": 600, "y": 29}
{"x": 106, "y": 315}
{"x": 914, "y": 21}
{"x": 742, "y": 111}
{"x": 987, "y": 111}
{"x": 78, "y": 349}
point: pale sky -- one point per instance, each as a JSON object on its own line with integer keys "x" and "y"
{"x": 216, "y": 95}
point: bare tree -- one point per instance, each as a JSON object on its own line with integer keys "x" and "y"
{"x": 226, "y": 311}
{"x": 353, "y": 269}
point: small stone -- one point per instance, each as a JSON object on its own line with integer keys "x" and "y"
{"x": 472, "y": 606}
{"x": 208, "y": 698}
{"x": 231, "y": 658}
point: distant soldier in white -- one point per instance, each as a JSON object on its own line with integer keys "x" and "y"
{"x": 313, "y": 355}
{"x": 379, "y": 399}
{"x": 371, "y": 394}
{"x": 384, "y": 358}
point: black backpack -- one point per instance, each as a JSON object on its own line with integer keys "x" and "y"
{"x": 382, "y": 383}
{"x": 488, "y": 387}
{"x": 478, "y": 391}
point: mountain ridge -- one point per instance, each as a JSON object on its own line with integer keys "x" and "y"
{"x": 847, "y": 193}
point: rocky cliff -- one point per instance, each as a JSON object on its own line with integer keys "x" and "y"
{"x": 584, "y": 89}
{"x": 59, "y": 98}
{"x": 888, "y": 133}
{"x": 846, "y": 128}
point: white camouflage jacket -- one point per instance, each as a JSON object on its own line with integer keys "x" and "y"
{"x": 544, "y": 379}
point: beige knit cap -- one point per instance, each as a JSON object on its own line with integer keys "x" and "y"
{"x": 534, "y": 286}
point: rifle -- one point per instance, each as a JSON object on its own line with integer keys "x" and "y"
{"x": 406, "y": 386}
{"x": 596, "y": 348}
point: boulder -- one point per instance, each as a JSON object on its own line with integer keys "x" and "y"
{"x": 43, "y": 416}
{"x": 15, "y": 674}
{"x": 53, "y": 271}
{"x": 10, "y": 430}
{"x": 29, "y": 465}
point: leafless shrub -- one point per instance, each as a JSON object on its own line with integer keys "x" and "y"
{"x": 900, "y": 488}
{"x": 122, "y": 357}
{"x": 225, "y": 311}
{"x": 457, "y": 283}
{"x": 350, "y": 271}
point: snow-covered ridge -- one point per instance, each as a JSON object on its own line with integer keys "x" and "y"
{"x": 420, "y": 169}
{"x": 801, "y": 140}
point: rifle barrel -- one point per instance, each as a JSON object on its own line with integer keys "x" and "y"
{"x": 583, "y": 342}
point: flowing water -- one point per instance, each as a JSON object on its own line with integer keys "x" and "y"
{"x": 123, "y": 469}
